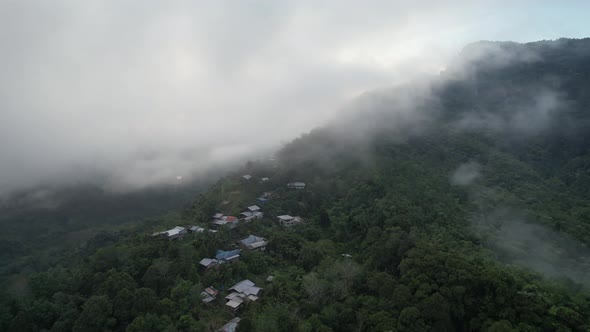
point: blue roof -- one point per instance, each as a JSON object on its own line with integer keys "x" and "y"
{"x": 225, "y": 254}
{"x": 251, "y": 239}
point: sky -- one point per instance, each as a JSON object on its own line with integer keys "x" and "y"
{"x": 130, "y": 94}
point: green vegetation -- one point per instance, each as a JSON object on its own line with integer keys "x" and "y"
{"x": 427, "y": 252}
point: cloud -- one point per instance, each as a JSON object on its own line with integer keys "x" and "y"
{"x": 538, "y": 247}
{"x": 465, "y": 174}
{"x": 131, "y": 94}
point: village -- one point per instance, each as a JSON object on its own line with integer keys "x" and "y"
{"x": 245, "y": 291}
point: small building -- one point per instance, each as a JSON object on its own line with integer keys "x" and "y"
{"x": 247, "y": 176}
{"x": 270, "y": 279}
{"x": 262, "y": 200}
{"x": 208, "y": 263}
{"x": 254, "y": 208}
{"x": 208, "y": 295}
{"x": 254, "y": 242}
{"x": 230, "y": 256}
{"x": 218, "y": 216}
{"x": 196, "y": 229}
{"x": 175, "y": 233}
{"x": 296, "y": 185}
{"x": 264, "y": 179}
{"x": 234, "y": 301}
{"x": 287, "y": 220}
{"x": 254, "y": 216}
{"x": 246, "y": 214}
{"x": 246, "y": 287}
{"x": 231, "y": 326}
{"x": 230, "y": 221}
{"x": 243, "y": 291}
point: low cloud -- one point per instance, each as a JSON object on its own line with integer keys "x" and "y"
{"x": 130, "y": 95}
{"x": 465, "y": 174}
{"x": 538, "y": 247}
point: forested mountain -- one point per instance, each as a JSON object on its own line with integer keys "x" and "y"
{"x": 457, "y": 204}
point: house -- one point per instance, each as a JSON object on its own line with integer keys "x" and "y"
{"x": 264, "y": 179}
{"x": 218, "y": 216}
{"x": 287, "y": 220}
{"x": 246, "y": 214}
{"x": 243, "y": 291}
{"x": 270, "y": 278}
{"x": 230, "y": 221}
{"x": 254, "y": 216}
{"x": 196, "y": 229}
{"x": 234, "y": 301}
{"x": 252, "y": 213}
{"x": 254, "y": 208}
{"x": 207, "y": 263}
{"x": 228, "y": 256}
{"x": 231, "y": 326}
{"x": 296, "y": 185}
{"x": 262, "y": 200}
{"x": 209, "y": 294}
{"x": 254, "y": 242}
{"x": 172, "y": 234}
{"x": 247, "y": 288}
{"x": 247, "y": 176}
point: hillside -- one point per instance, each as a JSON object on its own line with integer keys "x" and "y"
{"x": 459, "y": 204}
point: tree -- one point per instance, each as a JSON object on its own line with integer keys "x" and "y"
{"x": 145, "y": 301}
{"x": 245, "y": 325}
{"x": 500, "y": 326}
{"x": 410, "y": 320}
{"x": 123, "y": 306}
{"x": 96, "y": 315}
{"x": 148, "y": 323}
{"x": 187, "y": 323}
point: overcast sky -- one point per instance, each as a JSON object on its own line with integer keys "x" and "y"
{"x": 141, "y": 91}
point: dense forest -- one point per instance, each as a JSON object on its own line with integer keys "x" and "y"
{"x": 460, "y": 204}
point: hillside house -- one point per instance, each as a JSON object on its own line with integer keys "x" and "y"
{"x": 208, "y": 295}
{"x": 230, "y": 256}
{"x": 254, "y": 208}
{"x": 218, "y": 216}
{"x": 208, "y": 263}
{"x": 254, "y": 242}
{"x": 296, "y": 185}
{"x": 230, "y": 221}
{"x": 196, "y": 229}
{"x": 231, "y": 326}
{"x": 242, "y": 292}
{"x": 265, "y": 179}
{"x": 262, "y": 200}
{"x": 288, "y": 221}
{"x": 248, "y": 216}
{"x": 254, "y": 216}
{"x": 247, "y": 176}
{"x": 175, "y": 233}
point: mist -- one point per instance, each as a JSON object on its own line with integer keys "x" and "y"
{"x": 127, "y": 95}
{"x": 518, "y": 241}
{"x": 515, "y": 238}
